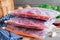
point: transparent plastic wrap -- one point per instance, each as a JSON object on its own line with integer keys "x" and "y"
{"x": 26, "y": 23}
{"x": 38, "y": 13}
{"x": 29, "y": 31}
{"x": 39, "y": 34}
{"x": 29, "y": 23}
{"x": 28, "y": 20}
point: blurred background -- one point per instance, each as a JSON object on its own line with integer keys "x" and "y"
{"x": 36, "y": 2}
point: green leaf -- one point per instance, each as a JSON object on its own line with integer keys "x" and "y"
{"x": 58, "y": 16}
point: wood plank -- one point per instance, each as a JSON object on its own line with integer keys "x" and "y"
{"x": 7, "y": 6}
{"x": 1, "y": 11}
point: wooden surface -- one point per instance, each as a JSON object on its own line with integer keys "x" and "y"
{"x": 6, "y": 6}
{"x": 1, "y": 12}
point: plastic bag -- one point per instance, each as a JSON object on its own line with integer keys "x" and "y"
{"x": 39, "y": 34}
{"x": 26, "y": 23}
{"x": 38, "y": 13}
